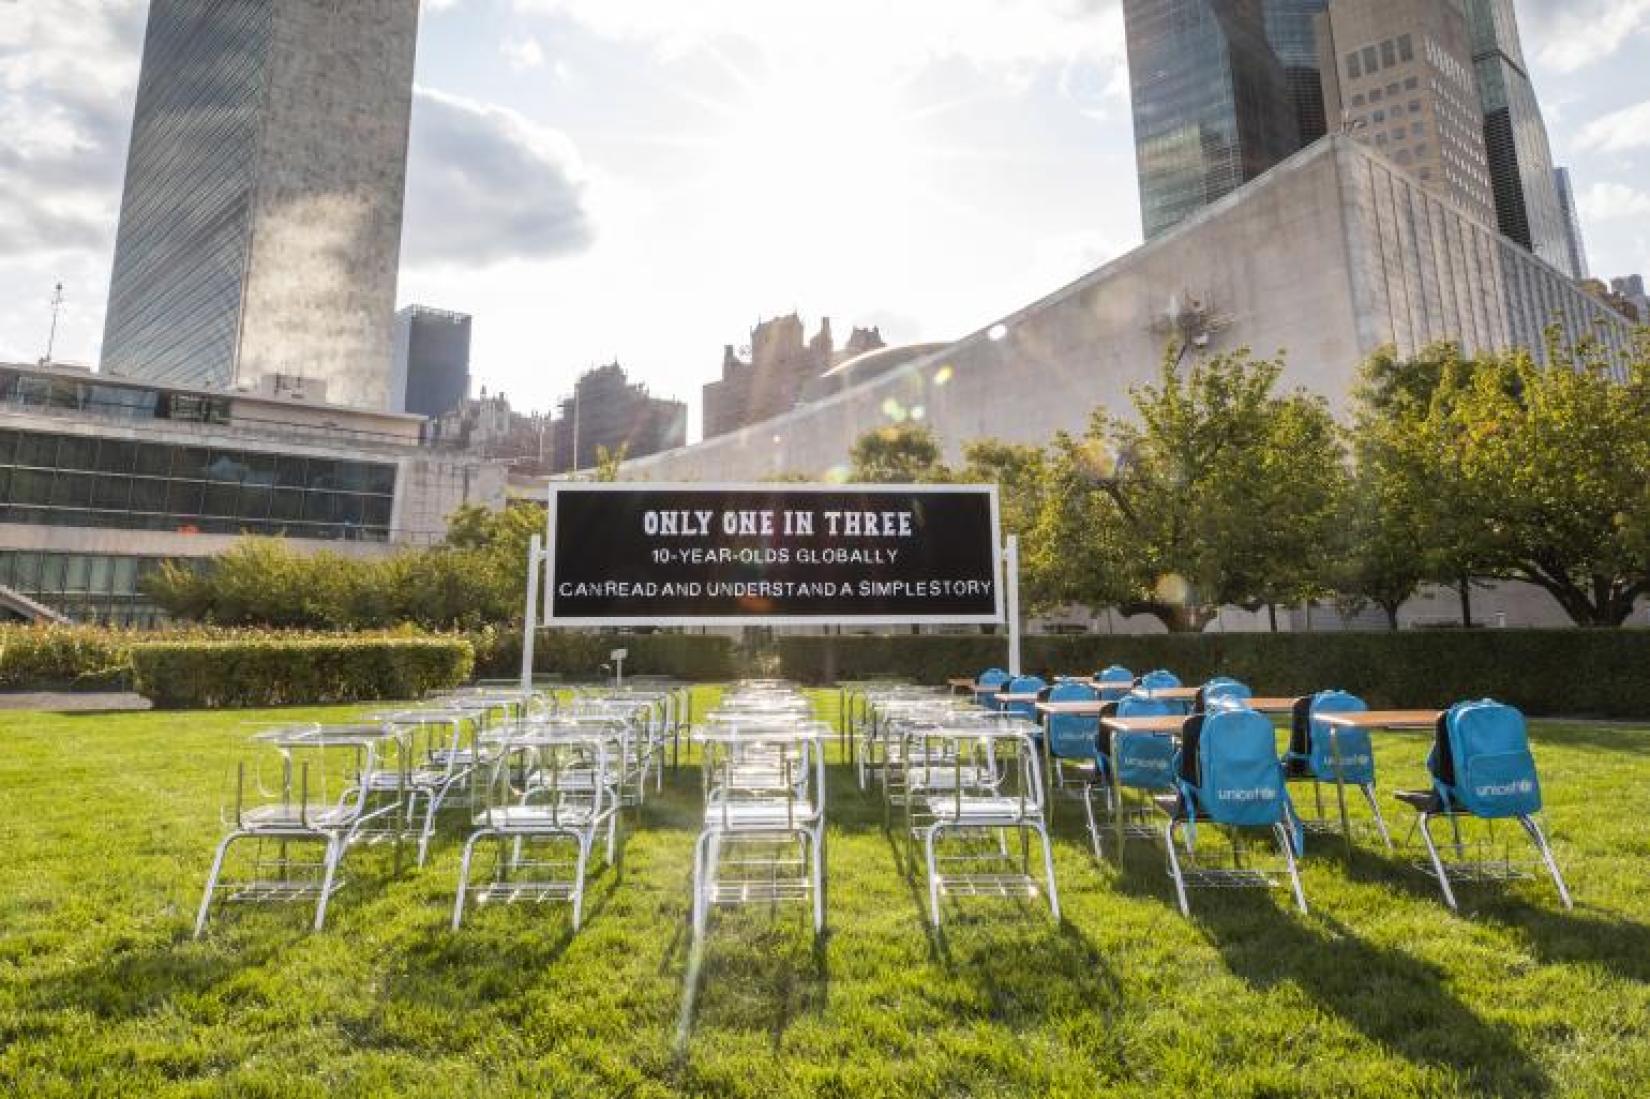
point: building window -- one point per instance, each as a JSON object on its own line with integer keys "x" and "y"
{"x": 1371, "y": 65}
{"x": 1358, "y": 100}
{"x": 1352, "y": 69}
{"x": 1406, "y": 48}
{"x": 85, "y": 587}
{"x": 1411, "y": 84}
{"x": 79, "y": 481}
{"x": 1389, "y": 54}
{"x": 1378, "y": 117}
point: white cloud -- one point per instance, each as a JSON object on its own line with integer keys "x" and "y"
{"x": 522, "y": 53}
{"x": 1570, "y": 35}
{"x": 1613, "y": 201}
{"x": 486, "y": 185}
{"x": 867, "y": 34}
{"x": 1619, "y": 131}
{"x": 68, "y": 70}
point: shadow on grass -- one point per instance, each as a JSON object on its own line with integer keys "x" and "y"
{"x": 130, "y": 982}
{"x": 1027, "y": 969}
{"x": 755, "y": 976}
{"x": 1389, "y": 996}
{"x": 1620, "y": 947}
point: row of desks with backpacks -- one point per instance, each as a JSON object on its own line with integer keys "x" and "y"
{"x": 1480, "y": 766}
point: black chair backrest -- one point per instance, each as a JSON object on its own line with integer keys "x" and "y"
{"x": 1200, "y": 701}
{"x": 1443, "y": 760}
{"x": 1107, "y": 709}
{"x": 1300, "y": 726}
{"x": 1191, "y": 733}
{"x": 1042, "y": 695}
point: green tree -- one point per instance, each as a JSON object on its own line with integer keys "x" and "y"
{"x": 610, "y": 462}
{"x": 1222, "y": 492}
{"x": 898, "y": 454}
{"x": 1559, "y": 456}
{"x": 1415, "y": 517}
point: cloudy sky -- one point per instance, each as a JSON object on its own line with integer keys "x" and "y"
{"x": 645, "y": 179}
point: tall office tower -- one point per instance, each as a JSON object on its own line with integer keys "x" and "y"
{"x": 260, "y": 230}
{"x": 1521, "y": 162}
{"x": 430, "y": 373}
{"x": 1574, "y": 247}
{"x": 1398, "y": 76}
{"x": 1291, "y": 29}
{"x": 1212, "y": 103}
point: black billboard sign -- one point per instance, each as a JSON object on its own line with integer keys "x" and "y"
{"x": 693, "y": 555}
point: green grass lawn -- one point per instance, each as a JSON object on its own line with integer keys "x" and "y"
{"x": 107, "y": 824}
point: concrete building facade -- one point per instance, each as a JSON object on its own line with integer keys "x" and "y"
{"x": 101, "y": 479}
{"x": 781, "y": 362}
{"x": 606, "y": 411}
{"x": 260, "y": 226}
{"x": 1332, "y": 255}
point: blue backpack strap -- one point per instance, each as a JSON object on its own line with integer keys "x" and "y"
{"x": 1188, "y": 798}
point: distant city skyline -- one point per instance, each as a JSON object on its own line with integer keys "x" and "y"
{"x": 643, "y": 179}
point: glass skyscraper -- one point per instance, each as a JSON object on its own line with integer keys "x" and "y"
{"x": 181, "y": 256}
{"x": 261, "y": 221}
{"x": 1214, "y": 88}
{"x": 1515, "y": 137}
{"x": 1291, "y": 32}
{"x": 1573, "y": 242}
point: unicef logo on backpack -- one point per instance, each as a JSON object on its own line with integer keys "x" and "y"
{"x": 1523, "y": 786}
{"x": 1255, "y": 793}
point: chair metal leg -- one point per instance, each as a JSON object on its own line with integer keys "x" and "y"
{"x": 1174, "y": 869}
{"x": 1088, "y": 815}
{"x": 702, "y": 871}
{"x": 1287, "y": 845}
{"x": 1048, "y": 869}
{"x": 929, "y": 836}
{"x": 334, "y": 855}
{"x": 464, "y": 874}
{"x": 1380, "y": 821}
{"x": 1438, "y": 863}
{"x": 212, "y": 881}
{"x": 578, "y": 879}
{"x": 817, "y": 846}
{"x": 1546, "y": 850}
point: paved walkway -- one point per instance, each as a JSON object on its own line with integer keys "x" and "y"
{"x": 74, "y": 701}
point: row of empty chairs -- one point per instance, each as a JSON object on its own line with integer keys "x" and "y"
{"x": 532, "y": 769}
{"x": 968, "y": 788}
{"x": 762, "y": 840}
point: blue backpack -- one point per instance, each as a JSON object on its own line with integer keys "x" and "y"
{"x": 1115, "y": 682}
{"x": 1481, "y": 761}
{"x": 1070, "y": 736}
{"x": 1222, "y": 687}
{"x": 1144, "y": 761}
{"x": 1357, "y": 749}
{"x": 992, "y": 678}
{"x": 1233, "y": 774}
{"x": 1023, "y": 685}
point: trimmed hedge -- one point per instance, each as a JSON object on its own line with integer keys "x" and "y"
{"x": 64, "y": 658}
{"x": 1591, "y": 673}
{"x": 581, "y": 655}
{"x": 294, "y": 671}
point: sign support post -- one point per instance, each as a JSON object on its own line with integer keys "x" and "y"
{"x": 1011, "y": 584}
{"x": 529, "y": 629}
